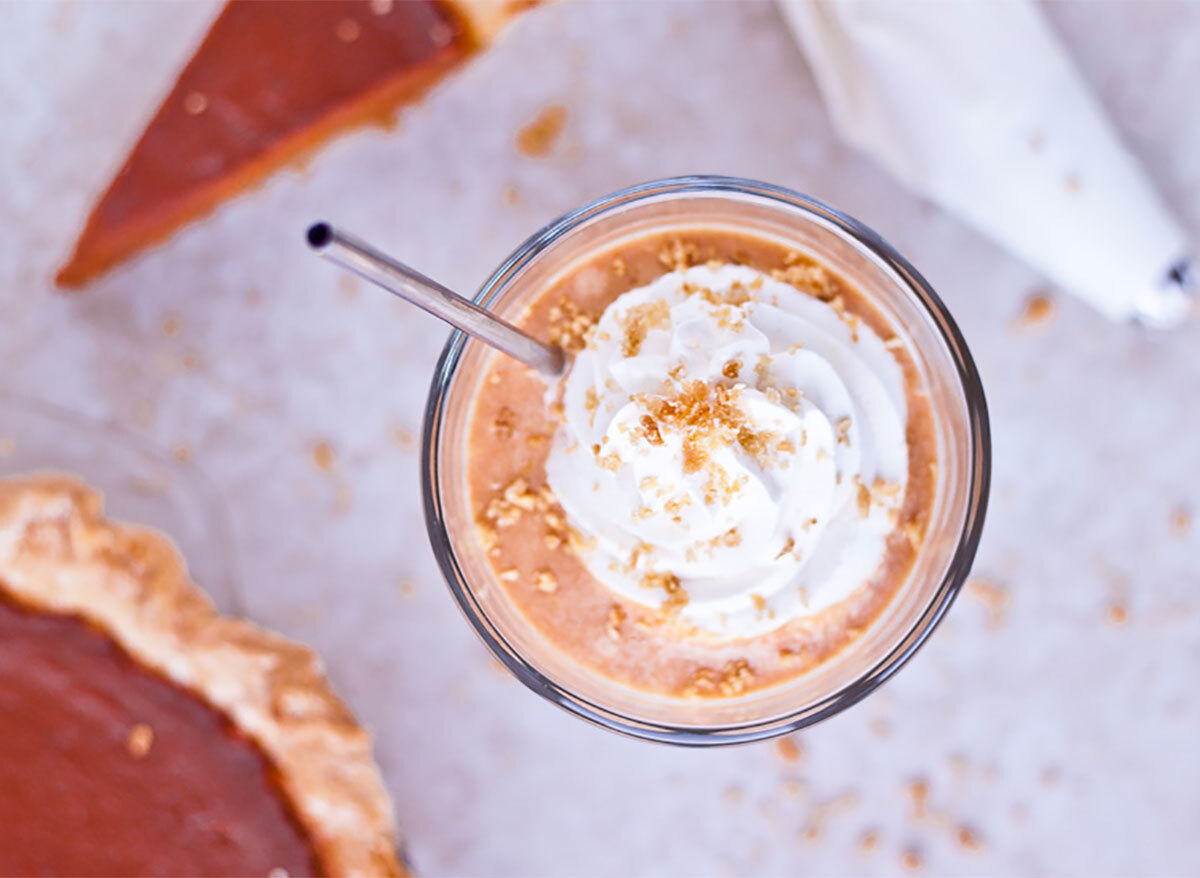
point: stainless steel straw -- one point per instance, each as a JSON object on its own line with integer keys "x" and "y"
{"x": 429, "y": 295}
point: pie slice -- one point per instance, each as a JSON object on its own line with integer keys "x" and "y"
{"x": 270, "y": 82}
{"x": 142, "y": 733}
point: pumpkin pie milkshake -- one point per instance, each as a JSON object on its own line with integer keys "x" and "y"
{"x": 731, "y": 482}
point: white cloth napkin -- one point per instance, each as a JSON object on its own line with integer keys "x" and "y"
{"x": 977, "y": 107}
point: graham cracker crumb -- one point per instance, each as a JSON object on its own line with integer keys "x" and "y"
{"x": 612, "y": 626}
{"x": 808, "y": 277}
{"x": 537, "y": 139}
{"x": 731, "y": 369}
{"x": 509, "y": 575}
{"x": 1181, "y": 520}
{"x": 322, "y": 456}
{"x": 789, "y": 750}
{"x": 868, "y": 841}
{"x": 1038, "y": 309}
{"x": 677, "y": 255}
{"x": 676, "y": 595}
{"x": 969, "y": 839}
{"x": 140, "y": 740}
{"x": 404, "y": 438}
{"x": 639, "y": 320}
{"x": 170, "y": 325}
{"x": 918, "y": 793}
{"x": 618, "y": 266}
{"x": 993, "y": 597}
{"x": 911, "y": 858}
{"x": 502, "y": 424}
{"x": 545, "y": 582}
{"x": 843, "y": 431}
{"x": 570, "y": 328}
{"x": 733, "y": 679}
{"x": 1117, "y": 613}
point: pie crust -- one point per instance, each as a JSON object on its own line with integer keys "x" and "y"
{"x": 58, "y": 554}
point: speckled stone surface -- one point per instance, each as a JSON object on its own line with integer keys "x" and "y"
{"x": 1054, "y": 724}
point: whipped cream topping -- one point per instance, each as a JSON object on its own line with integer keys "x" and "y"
{"x": 732, "y": 449}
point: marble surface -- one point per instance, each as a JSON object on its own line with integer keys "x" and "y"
{"x": 1052, "y": 721}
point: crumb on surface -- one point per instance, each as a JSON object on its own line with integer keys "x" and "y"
{"x": 968, "y": 838}
{"x": 1037, "y": 310}
{"x": 537, "y": 139}
{"x": 918, "y": 794}
{"x": 1181, "y": 520}
{"x": 789, "y": 749}
{"x": 322, "y": 456}
{"x": 995, "y": 599}
{"x": 868, "y": 841}
{"x": 911, "y": 858}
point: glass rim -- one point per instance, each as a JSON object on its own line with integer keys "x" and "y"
{"x": 979, "y": 469}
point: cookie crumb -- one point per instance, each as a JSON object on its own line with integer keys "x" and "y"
{"x": 322, "y": 456}
{"x": 993, "y": 597}
{"x": 789, "y": 750}
{"x": 1181, "y": 521}
{"x": 537, "y": 139}
{"x": 969, "y": 839}
{"x": 868, "y": 841}
{"x": 545, "y": 582}
{"x": 918, "y": 794}
{"x": 1038, "y": 309}
{"x": 911, "y": 858}
{"x": 612, "y": 626}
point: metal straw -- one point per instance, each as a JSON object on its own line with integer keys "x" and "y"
{"x": 431, "y": 296}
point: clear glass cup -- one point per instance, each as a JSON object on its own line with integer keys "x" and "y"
{"x": 961, "y": 424}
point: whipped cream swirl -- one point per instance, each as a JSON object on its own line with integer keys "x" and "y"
{"x": 733, "y": 448}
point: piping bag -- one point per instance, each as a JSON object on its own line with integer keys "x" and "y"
{"x": 977, "y": 107}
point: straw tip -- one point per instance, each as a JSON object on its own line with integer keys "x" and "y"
{"x": 319, "y": 234}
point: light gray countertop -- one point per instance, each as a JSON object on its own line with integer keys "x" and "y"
{"x": 1064, "y": 738}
